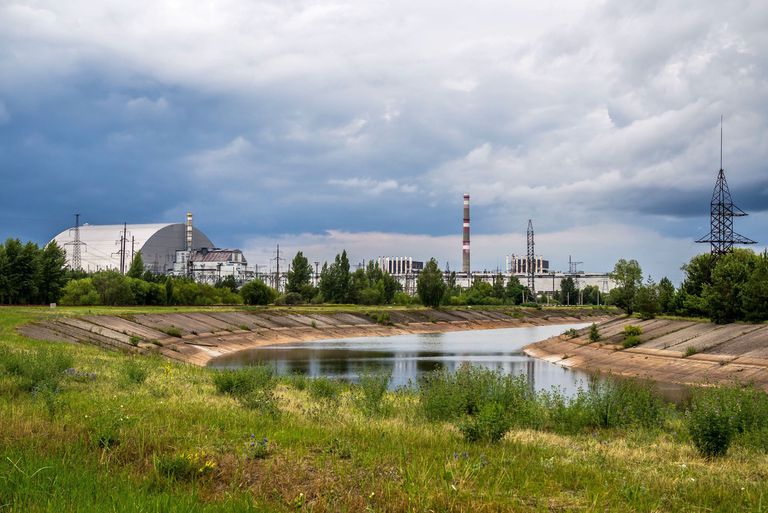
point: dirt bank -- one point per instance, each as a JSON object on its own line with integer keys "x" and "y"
{"x": 670, "y": 351}
{"x": 197, "y": 338}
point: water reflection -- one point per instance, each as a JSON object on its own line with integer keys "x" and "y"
{"x": 407, "y": 357}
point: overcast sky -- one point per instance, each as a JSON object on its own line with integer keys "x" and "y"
{"x": 359, "y": 124}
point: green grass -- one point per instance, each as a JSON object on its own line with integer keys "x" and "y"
{"x": 112, "y": 447}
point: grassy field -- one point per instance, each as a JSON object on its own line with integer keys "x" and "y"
{"x": 116, "y": 433}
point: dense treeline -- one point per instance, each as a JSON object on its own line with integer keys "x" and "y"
{"x": 30, "y": 274}
{"x": 727, "y": 288}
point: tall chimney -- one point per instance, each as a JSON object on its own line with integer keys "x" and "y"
{"x": 465, "y": 244}
{"x": 189, "y": 231}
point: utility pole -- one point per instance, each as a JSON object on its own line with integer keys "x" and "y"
{"x": 122, "y": 242}
{"x": 317, "y": 274}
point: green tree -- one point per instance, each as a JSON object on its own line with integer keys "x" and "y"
{"x": 257, "y": 292}
{"x": 590, "y": 295}
{"x": 335, "y": 280}
{"x": 20, "y": 269}
{"x": 228, "y": 283}
{"x": 299, "y": 277}
{"x": 430, "y": 286}
{"x": 113, "y": 288}
{"x": 666, "y": 296}
{"x": 136, "y": 270}
{"x": 628, "y": 277}
{"x": 515, "y": 292}
{"x": 80, "y": 293}
{"x": 728, "y": 278}
{"x": 646, "y": 300}
{"x": 51, "y": 273}
{"x": 754, "y": 293}
{"x": 498, "y": 287}
{"x": 569, "y": 294}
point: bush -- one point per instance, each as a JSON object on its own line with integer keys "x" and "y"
{"x": 324, "y": 389}
{"x": 373, "y": 387}
{"x": 172, "y": 331}
{"x": 630, "y": 341}
{"x": 291, "y": 298}
{"x": 134, "y": 340}
{"x": 446, "y": 396}
{"x": 241, "y": 382}
{"x": 44, "y": 367}
{"x": 571, "y": 333}
{"x": 80, "y": 293}
{"x": 488, "y": 425}
{"x": 256, "y": 292}
{"x": 710, "y": 424}
{"x": 403, "y": 299}
{"x": 134, "y": 372}
{"x": 594, "y": 333}
{"x": 631, "y": 330}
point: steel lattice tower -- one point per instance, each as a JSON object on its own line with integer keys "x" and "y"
{"x": 76, "y": 261}
{"x": 531, "y": 260}
{"x": 721, "y": 236}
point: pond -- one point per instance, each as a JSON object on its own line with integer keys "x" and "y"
{"x": 407, "y": 357}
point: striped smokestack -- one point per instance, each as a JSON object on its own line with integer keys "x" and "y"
{"x": 465, "y": 243}
{"x": 189, "y": 231}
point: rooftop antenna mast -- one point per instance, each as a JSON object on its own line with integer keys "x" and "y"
{"x": 721, "y": 236}
{"x": 76, "y": 263}
{"x": 531, "y": 259}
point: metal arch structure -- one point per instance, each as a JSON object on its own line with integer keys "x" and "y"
{"x": 531, "y": 268}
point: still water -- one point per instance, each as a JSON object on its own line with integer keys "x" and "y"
{"x": 407, "y": 357}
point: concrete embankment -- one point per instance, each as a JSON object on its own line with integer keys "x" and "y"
{"x": 670, "y": 351}
{"x": 197, "y": 338}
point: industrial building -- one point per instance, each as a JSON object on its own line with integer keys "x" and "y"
{"x": 397, "y": 266}
{"x": 112, "y": 246}
{"x": 176, "y": 249}
{"x": 518, "y": 265}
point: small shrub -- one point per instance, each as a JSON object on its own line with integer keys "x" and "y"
{"x": 241, "y": 382}
{"x": 326, "y": 390}
{"x": 51, "y": 398}
{"x": 134, "y": 372}
{"x": 172, "y": 331}
{"x": 184, "y": 466}
{"x": 373, "y": 387}
{"x": 134, "y": 340}
{"x": 314, "y": 324}
{"x": 594, "y": 333}
{"x": 263, "y": 401}
{"x": 690, "y": 351}
{"x": 632, "y": 331}
{"x": 630, "y": 341}
{"x": 488, "y": 425}
{"x": 258, "y": 449}
{"x": 244, "y": 327}
{"x": 383, "y": 319}
{"x": 35, "y": 369}
{"x": 710, "y": 424}
{"x": 571, "y": 333}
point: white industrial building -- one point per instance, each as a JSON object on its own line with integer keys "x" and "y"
{"x": 100, "y": 245}
{"x": 211, "y": 265}
{"x": 518, "y": 264}
{"x": 397, "y": 266}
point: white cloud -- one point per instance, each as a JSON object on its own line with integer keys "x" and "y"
{"x": 232, "y": 159}
{"x": 372, "y": 187}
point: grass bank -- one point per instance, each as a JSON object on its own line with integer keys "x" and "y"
{"x": 114, "y": 432}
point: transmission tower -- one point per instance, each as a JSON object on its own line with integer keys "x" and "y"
{"x": 721, "y": 236}
{"x": 277, "y": 260}
{"x": 573, "y": 266}
{"x": 76, "y": 262}
{"x": 531, "y": 260}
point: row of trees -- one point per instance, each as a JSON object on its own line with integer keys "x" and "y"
{"x": 725, "y": 288}
{"x": 30, "y": 274}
